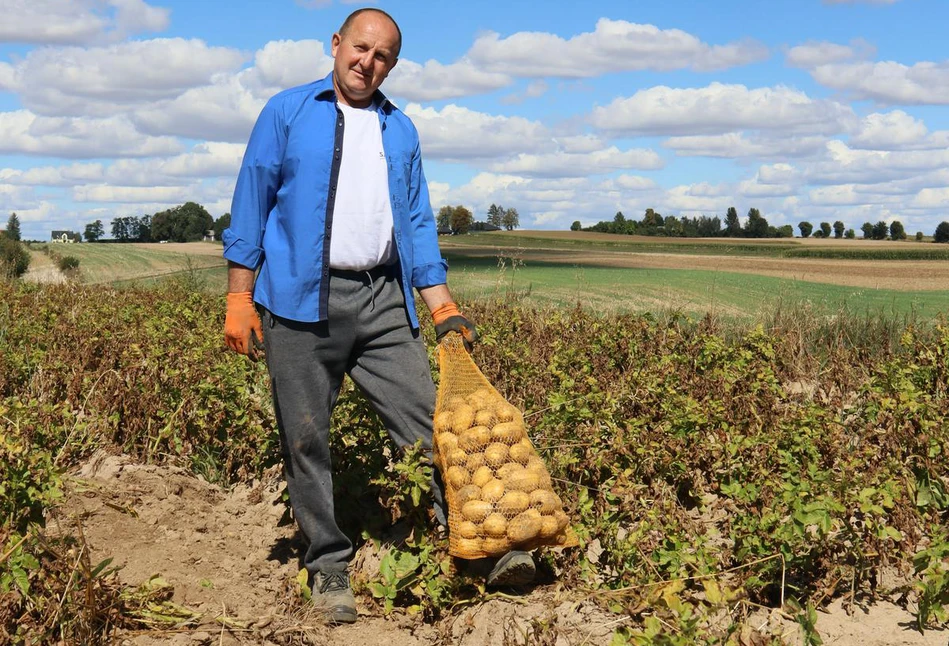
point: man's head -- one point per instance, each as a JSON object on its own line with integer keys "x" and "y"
{"x": 366, "y": 48}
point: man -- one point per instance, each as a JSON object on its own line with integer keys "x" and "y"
{"x": 332, "y": 207}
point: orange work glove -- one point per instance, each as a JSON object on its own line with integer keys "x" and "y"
{"x": 242, "y": 329}
{"x": 447, "y": 319}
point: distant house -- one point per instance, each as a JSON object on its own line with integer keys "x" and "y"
{"x": 65, "y": 236}
{"x": 209, "y": 236}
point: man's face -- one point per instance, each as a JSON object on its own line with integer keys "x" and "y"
{"x": 364, "y": 58}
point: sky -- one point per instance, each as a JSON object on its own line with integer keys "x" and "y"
{"x": 817, "y": 110}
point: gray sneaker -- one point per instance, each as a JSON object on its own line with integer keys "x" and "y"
{"x": 332, "y": 593}
{"x": 513, "y": 569}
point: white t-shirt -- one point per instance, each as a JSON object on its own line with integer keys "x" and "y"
{"x": 362, "y": 236}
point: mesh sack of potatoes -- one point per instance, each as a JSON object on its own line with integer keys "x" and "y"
{"x": 497, "y": 488}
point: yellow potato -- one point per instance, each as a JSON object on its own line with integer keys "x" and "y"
{"x": 457, "y": 477}
{"x": 476, "y": 510}
{"x": 493, "y": 491}
{"x": 507, "y": 432}
{"x": 496, "y": 453}
{"x": 482, "y": 476}
{"x": 485, "y": 416}
{"x": 544, "y": 501}
{"x": 480, "y": 397}
{"x": 468, "y": 545}
{"x": 466, "y": 493}
{"x": 523, "y": 527}
{"x": 475, "y": 461}
{"x": 513, "y": 502}
{"x": 562, "y": 520}
{"x": 496, "y": 546}
{"x": 467, "y": 529}
{"x": 523, "y": 480}
{"x": 446, "y": 442}
{"x": 456, "y": 457}
{"x": 521, "y": 452}
{"x": 474, "y": 439}
{"x": 495, "y": 525}
{"x": 453, "y": 402}
{"x": 548, "y": 527}
{"x": 534, "y": 462}
{"x": 505, "y": 412}
{"x": 442, "y": 421}
{"x": 461, "y": 418}
{"x": 505, "y": 470}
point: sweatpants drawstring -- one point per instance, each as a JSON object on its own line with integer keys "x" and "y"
{"x": 372, "y": 293}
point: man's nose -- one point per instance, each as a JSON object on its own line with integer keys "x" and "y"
{"x": 365, "y": 61}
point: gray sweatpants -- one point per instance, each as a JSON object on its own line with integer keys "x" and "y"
{"x": 367, "y": 336}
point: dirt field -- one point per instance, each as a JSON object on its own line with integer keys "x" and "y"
{"x": 229, "y": 558}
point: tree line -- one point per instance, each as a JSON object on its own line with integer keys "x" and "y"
{"x": 187, "y": 222}
{"x": 459, "y": 219}
{"x": 755, "y": 226}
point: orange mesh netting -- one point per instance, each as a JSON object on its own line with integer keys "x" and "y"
{"x": 497, "y": 488}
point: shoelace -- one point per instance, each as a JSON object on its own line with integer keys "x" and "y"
{"x": 334, "y": 581}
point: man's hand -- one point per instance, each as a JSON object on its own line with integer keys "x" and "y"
{"x": 447, "y": 319}
{"x": 242, "y": 329}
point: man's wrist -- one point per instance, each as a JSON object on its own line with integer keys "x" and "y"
{"x": 444, "y": 311}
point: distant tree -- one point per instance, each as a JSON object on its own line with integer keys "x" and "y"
{"x": 785, "y": 231}
{"x": 652, "y": 219}
{"x": 732, "y": 223}
{"x": 756, "y": 226}
{"x": 867, "y": 229}
{"x": 850, "y": 234}
{"x": 495, "y": 215}
{"x": 838, "y": 229}
{"x": 14, "y": 258}
{"x": 13, "y": 227}
{"x": 825, "y": 229}
{"x": 461, "y": 219}
{"x": 185, "y": 223}
{"x": 818, "y": 234}
{"x": 444, "y": 217}
{"x": 511, "y": 219}
{"x": 673, "y": 227}
{"x": 942, "y": 232}
{"x": 220, "y": 224}
{"x": 919, "y": 236}
{"x": 897, "y": 232}
{"x": 576, "y": 226}
{"x": 806, "y": 228}
{"x": 880, "y": 230}
{"x": 120, "y": 230}
{"x": 94, "y": 231}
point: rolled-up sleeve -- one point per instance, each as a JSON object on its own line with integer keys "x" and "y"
{"x": 255, "y": 192}
{"x": 429, "y": 268}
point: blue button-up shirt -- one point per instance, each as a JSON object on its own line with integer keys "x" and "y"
{"x": 282, "y": 211}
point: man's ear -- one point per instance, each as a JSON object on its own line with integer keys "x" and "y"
{"x": 334, "y": 44}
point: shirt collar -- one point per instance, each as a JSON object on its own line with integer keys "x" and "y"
{"x": 326, "y": 92}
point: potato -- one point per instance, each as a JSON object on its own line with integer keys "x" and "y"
{"x": 485, "y": 416}
{"x": 534, "y": 462}
{"x": 496, "y": 453}
{"x": 474, "y": 439}
{"x": 507, "y": 432}
{"x": 496, "y": 546}
{"x": 476, "y": 510}
{"x": 523, "y": 480}
{"x": 482, "y": 476}
{"x": 495, "y": 525}
{"x": 468, "y": 545}
{"x": 544, "y": 501}
{"x": 562, "y": 520}
{"x": 467, "y": 529}
{"x": 466, "y": 493}
{"x": 461, "y": 418}
{"x": 480, "y": 397}
{"x": 548, "y": 527}
{"x": 452, "y": 403}
{"x": 474, "y": 462}
{"x": 524, "y": 527}
{"x": 513, "y": 502}
{"x": 457, "y": 477}
{"x": 505, "y": 470}
{"x": 521, "y": 452}
{"x": 446, "y": 442}
{"x": 442, "y": 421}
{"x": 505, "y": 412}
{"x": 493, "y": 491}
{"x": 456, "y": 457}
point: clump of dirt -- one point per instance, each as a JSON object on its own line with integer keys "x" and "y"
{"x": 232, "y": 557}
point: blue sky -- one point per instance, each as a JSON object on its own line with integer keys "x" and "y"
{"x": 817, "y": 110}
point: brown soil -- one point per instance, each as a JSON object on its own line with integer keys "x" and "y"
{"x": 228, "y": 554}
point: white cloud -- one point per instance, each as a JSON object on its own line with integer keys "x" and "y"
{"x": 433, "y": 80}
{"x": 22, "y": 132}
{"x": 736, "y": 145}
{"x": 132, "y": 194}
{"x": 456, "y": 133}
{"x": 896, "y": 130}
{"x": 77, "y": 21}
{"x": 888, "y": 82}
{"x": 613, "y": 46}
{"x": 814, "y": 53}
{"x": 932, "y": 198}
{"x": 563, "y": 164}
{"x": 100, "y": 81}
{"x": 842, "y": 164}
{"x": 719, "y": 108}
